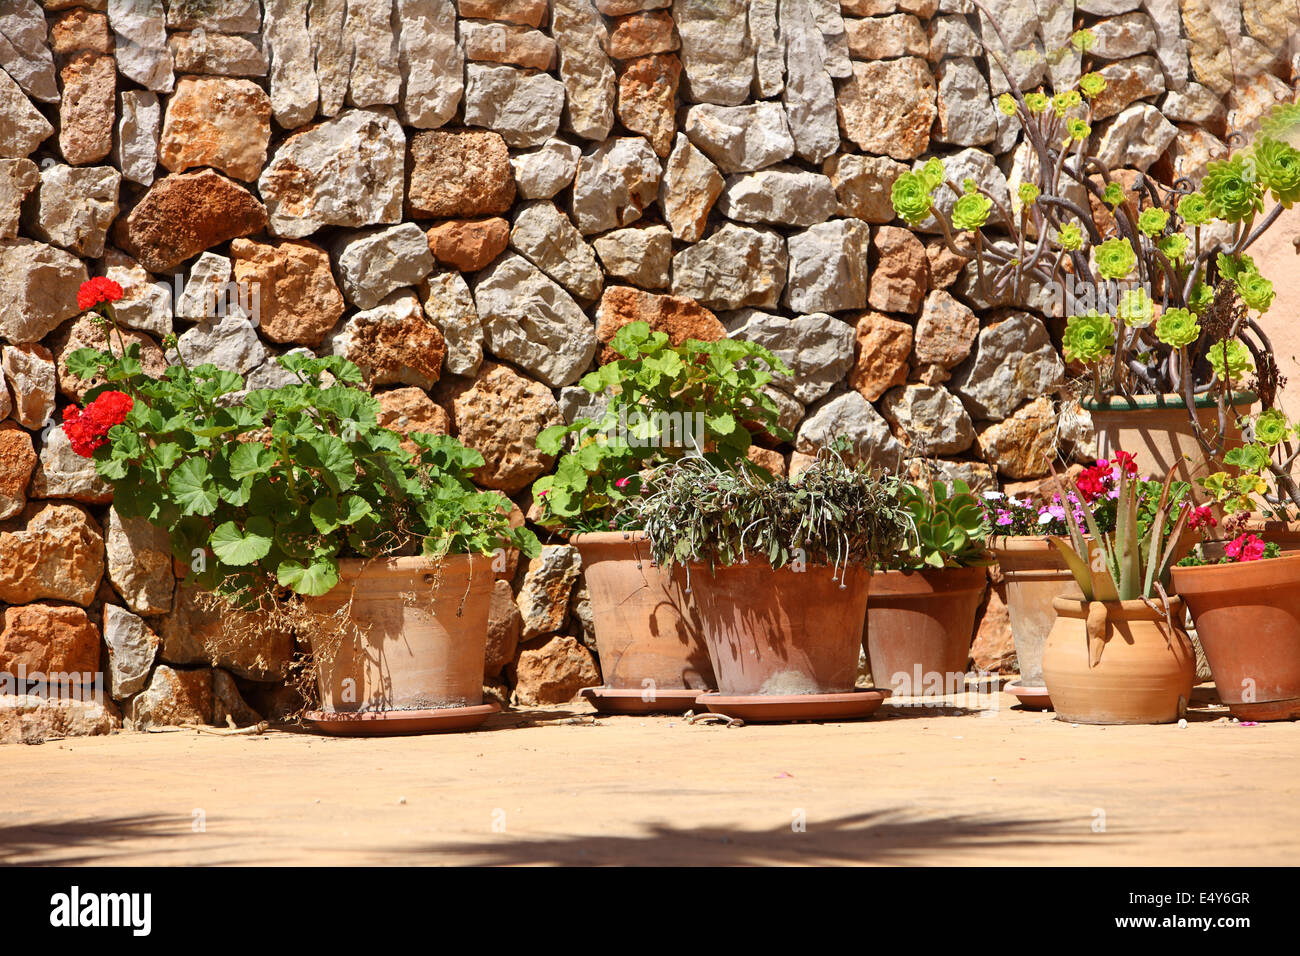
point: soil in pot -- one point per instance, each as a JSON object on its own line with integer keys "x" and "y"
{"x": 919, "y": 627}
{"x": 1247, "y": 615}
{"x": 784, "y": 631}
{"x": 652, "y": 655}
{"x": 1118, "y": 662}
{"x": 411, "y": 641}
{"x": 1035, "y": 574}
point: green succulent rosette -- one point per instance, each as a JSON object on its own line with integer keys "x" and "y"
{"x": 1233, "y": 267}
{"x": 1256, "y": 291}
{"x": 912, "y": 198}
{"x": 1028, "y": 193}
{"x": 1177, "y": 328}
{"x": 971, "y": 211}
{"x": 1070, "y": 237}
{"x": 1194, "y": 209}
{"x": 1278, "y": 167}
{"x": 1083, "y": 40}
{"x": 1152, "y": 222}
{"x": 1136, "y": 309}
{"x": 1062, "y": 103}
{"x": 1282, "y": 122}
{"x": 1037, "y": 102}
{"x": 1271, "y": 427}
{"x": 1113, "y": 195}
{"x": 1230, "y": 359}
{"x": 1077, "y": 129}
{"x": 933, "y": 173}
{"x": 1007, "y": 104}
{"x": 1232, "y": 189}
{"x": 1088, "y": 338}
{"x": 1202, "y": 298}
{"x": 1116, "y": 259}
{"x": 1092, "y": 85}
{"x": 1174, "y": 247}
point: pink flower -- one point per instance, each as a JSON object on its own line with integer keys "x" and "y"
{"x": 622, "y": 482}
{"x": 1247, "y": 547}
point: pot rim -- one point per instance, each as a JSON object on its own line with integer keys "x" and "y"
{"x": 1076, "y": 606}
{"x": 410, "y": 562}
{"x": 608, "y": 537}
{"x": 1205, "y": 573}
{"x": 1123, "y": 403}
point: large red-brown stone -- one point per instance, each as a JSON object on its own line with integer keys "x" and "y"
{"x": 185, "y": 213}
{"x": 643, "y": 34}
{"x": 17, "y": 461}
{"x": 469, "y": 244}
{"x": 879, "y": 355}
{"x": 298, "y": 298}
{"x": 458, "y": 174}
{"x": 500, "y": 414}
{"x": 680, "y": 317}
{"x": 49, "y": 638}
{"x": 647, "y": 95}
{"x": 217, "y": 121}
{"x": 900, "y": 271}
{"x": 410, "y": 409}
{"x": 51, "y": 551}
{"x": 553, "y": 671}
{"x": 88, "y": 108}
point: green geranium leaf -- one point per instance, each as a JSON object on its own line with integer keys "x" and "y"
{"x": 239, "y": 547}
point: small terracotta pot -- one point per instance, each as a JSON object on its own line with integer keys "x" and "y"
{"x": 1248, "y": 618}
{"x": 1118, "y": 662}
{"x": 919, "y": 628}
{"x": 646, "y": 626}
{"x": 1035, "y": 574}
{"x": 413, "y": 647}
{"x": 1285, "y": 534}
{"x": 1157, "y": 431}
{"x": 775, "y": 632}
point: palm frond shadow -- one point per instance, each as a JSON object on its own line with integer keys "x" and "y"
{"x": 887, "y": 836}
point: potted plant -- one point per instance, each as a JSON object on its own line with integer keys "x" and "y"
{"x": 1161, "y": 297}
{"x": 1034, "y": 570}
{"x": 921, "y": 616}
{"x": 294, "y": 503}
{"x": 661, "y": 401}
{"x": 1242, "y": 595}
{"x": 778, "y": 571}
{"x": 1115, "y": 655}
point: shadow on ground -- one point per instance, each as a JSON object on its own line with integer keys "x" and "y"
{"x": 893, "y": 837}
{"x": 96, "y": 839}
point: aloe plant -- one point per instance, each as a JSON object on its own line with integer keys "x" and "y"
{"x": 1126, "y": 564}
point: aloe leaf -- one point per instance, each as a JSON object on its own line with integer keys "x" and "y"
{"x": 1078, "y": 565}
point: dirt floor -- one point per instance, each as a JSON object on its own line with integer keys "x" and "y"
{"x": 912, "y": 785}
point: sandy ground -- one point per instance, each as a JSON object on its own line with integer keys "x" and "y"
{"x": 912, "y": 785}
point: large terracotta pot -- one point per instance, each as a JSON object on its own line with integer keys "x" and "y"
{"x": 1157, "y": 431}
{"x": 1118, "y": 662}
{"x": 406, "y": 645}
{"x": 1035, "y": 574}
{"x": 646, "y": 626}
{"x": 781, "y": 632}
{"x": 1248, "y": 618}
{"x": 919, "y": 628}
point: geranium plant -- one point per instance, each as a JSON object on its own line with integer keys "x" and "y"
{"x": 663, "y": 401}
{"x": 1096, "y": 492}
{"x": 262, "y": 492}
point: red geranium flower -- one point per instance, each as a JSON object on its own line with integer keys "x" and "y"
{"x": 87, "y": 428}
{"x": 1201, "y": 517}
{"x": 1126, "y": 461}
{"x": 1093, "y": 482}
{"x": 97, "y": 290}
{"x": 1245, "y": 548}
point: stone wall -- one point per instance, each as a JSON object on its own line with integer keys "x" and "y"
{"x": 467, "y": 199}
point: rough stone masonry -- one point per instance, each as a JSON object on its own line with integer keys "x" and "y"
{"x": 499, "y": 185}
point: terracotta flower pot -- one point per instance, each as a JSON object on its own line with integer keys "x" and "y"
{"x": 781, "y": 632}
{"x": 1118, "y": 662}
{"x": 1035, "y": 574}
{"x": 1157, "y": 431}
{"x": 646, "y": 627}
{"x": 919, "y": 628}
{"x": 1248, "y": 618}
{"x": 408, "y": 646}
{"x": 1285, "y": 534}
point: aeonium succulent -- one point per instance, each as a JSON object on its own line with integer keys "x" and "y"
{"x": 1116, "y": 259}
{"x": 1088, "y": 337}
{"x": 1177, "y": 328}
{"x": 971, "y": 211}
{"x": 1232, "y": 189}
{"x": 912, "y": 197}
{"x": 1230, "y": 360}
{"x": 1277, "y": 165}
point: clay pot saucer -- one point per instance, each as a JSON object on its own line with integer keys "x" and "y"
{"x": 389, "y": 723}
{"x": 631, "y": 700}
{"x": 760, "y": 708}
{"x": 1031, "y": 698}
